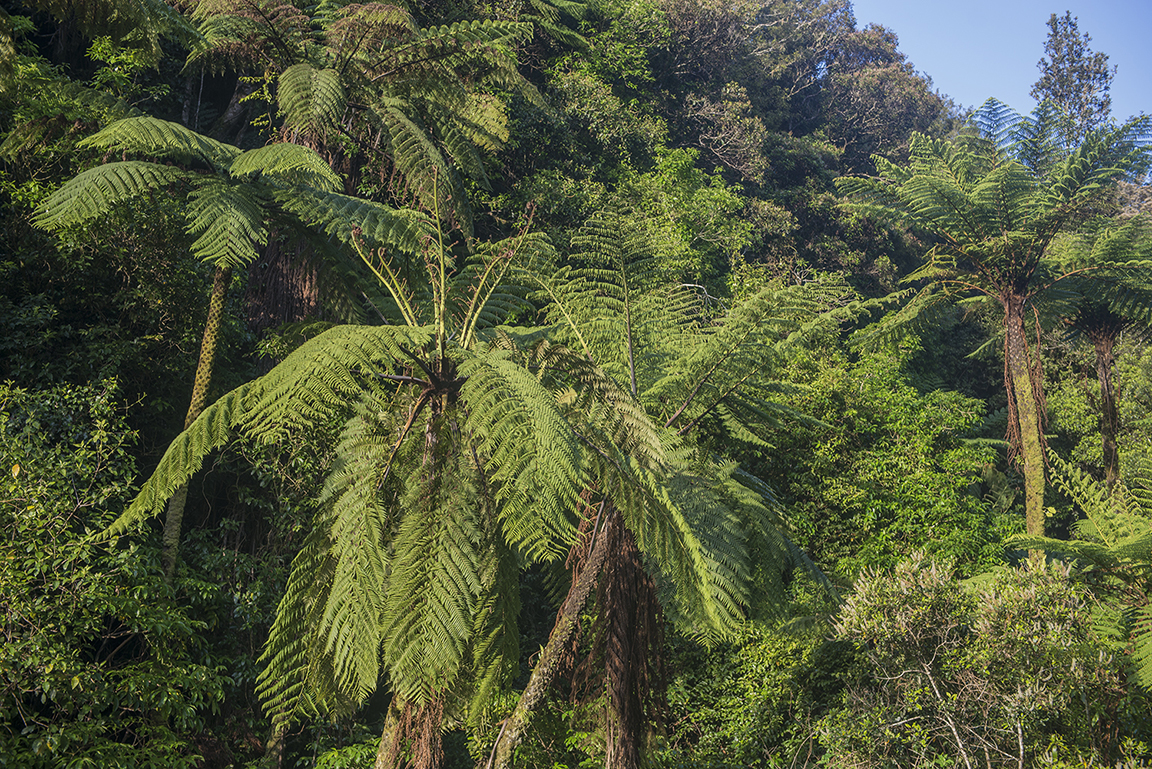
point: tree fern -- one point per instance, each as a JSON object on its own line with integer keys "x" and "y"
{"x": 422, "y": 98}
{"x": 994, "y": 210}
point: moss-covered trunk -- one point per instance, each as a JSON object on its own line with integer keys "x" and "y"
{"x": 563, "y": 631}
{"x": 1104, "y": 343}
{"x": 1023, "y": 389}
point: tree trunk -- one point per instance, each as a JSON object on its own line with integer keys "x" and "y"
{"x": 628, "y": 608}
{"x": 512, "y": 732}
{"x": 274, "y": 749}
{"x": 386, "y": 753}
{"x": 1109, "y": 420}
{"x": 1026, "y": 400}
{"x": 175, "y": 516}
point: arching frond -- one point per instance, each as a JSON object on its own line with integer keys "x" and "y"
{"x": 94, "y": 192}
{"x": 289, "y": 164}
{"x": 347, "y": 218}
{"x": 215, "y": 426}
{"x": 536, "y": 459}
{"x": 228, "y": 223}
{"x": 436, "y": 582}
{"x": 312, "y": 100}
{"x": 326, "y": 375}
{"x": 163, "y": 139}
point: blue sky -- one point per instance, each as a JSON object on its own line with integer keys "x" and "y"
{"x": 979, "y": 48}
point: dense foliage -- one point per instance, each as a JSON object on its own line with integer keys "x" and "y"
{"x": 564, "y": 383}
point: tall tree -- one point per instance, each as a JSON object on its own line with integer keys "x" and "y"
{"x": 992, "y": 220}
{"x": 1074, "y": 78}
{"x": 379, "y": 94}
{"x": 1102, "y": 320}
{"x": 466, "y": 448}
{"x": 231, "y": 198}
{"x": 701, "y": 378}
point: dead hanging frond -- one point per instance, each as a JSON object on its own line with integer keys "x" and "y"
{"x": 625, "y": 664}
{"x": 417, "y": 736}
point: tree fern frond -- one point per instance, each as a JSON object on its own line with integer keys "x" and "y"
{"x": 162, "y": 139}
{"x": 215, "y": 426}
{"x": 326, "y": 375}
{"x": 94, "y": 192}
{"x": 1142, "y": 646}
{"x": 347, "y": 218}
{"x": 290, "y": 655}
{"x": 289, "y": 164}
{"x": 436, "y": 581}
{"x": 228, "y": 223}
{"x": 536, "y": 458}
{"x": 312, "y": 100}
{"x": 921, "y": 311}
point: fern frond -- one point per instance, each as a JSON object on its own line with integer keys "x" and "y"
{"x": 347, "y": 218}
{"x": 436, "y": 582}
{"x": 163, "y": 139}
{"x": 312, "y": 100}
{"x": 1142, "y": 646}
{"x": 215, "y": 426}
{"x": 922, "y": 310}
{"x": 535, "y": 457}
{"x": 94, "y": 192}
{"x": 327, "y": 375}
{"x": 228, "y": 223}
{"x": 289, "y": 164}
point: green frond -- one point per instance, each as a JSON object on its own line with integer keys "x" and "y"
{"x": 289, "y": 164}
{"x": 923, "y": 309}
{"x": 288, "y": 685}
{"x": 426, "y": 173}
{"x": 436, "y": 581}
{"x": 96, "y": 191}
{"x": 215, "y": 426}
{"x": 327, "y": 375}
{"x": 694, "y": 538}
{"x": 1142, "y": 646}
{"x": 162, "y": 139}
{"x": 495, "y": 638}
{"x": 228, "y": 223}
{"x": 312, "y": 100}
{"x": 535, "y": 458}
{"x": 347, "y": 218}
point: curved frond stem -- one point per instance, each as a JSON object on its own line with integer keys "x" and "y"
{"x": 487, "y": 284}
{"x": 392, "y": 282}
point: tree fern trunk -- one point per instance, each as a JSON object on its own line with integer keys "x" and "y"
{"x": 628, "y": 607}
{"x": 512, "y": 733}
{"x": 1109, "y": 421}
{"x": 175, "y": 517}
{"x": 386, "y": 754}
{"x": 1027, "y": 411}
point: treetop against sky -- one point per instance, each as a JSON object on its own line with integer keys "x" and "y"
{"x": 976, "y": 50}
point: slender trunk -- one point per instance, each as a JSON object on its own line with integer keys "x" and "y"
{"x": 1109, "y": 421}
{"x": 274, "y": 749}
{"x": 1024, "y": 396}
{"x": 386, "y": 753}
{"x": 175, "y": 516}
{"x": 512, "y": 732}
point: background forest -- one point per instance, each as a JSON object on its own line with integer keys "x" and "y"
{"x": 547, "y": 383}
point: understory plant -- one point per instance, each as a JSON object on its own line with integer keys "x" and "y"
{"x": 986, "y": 674}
